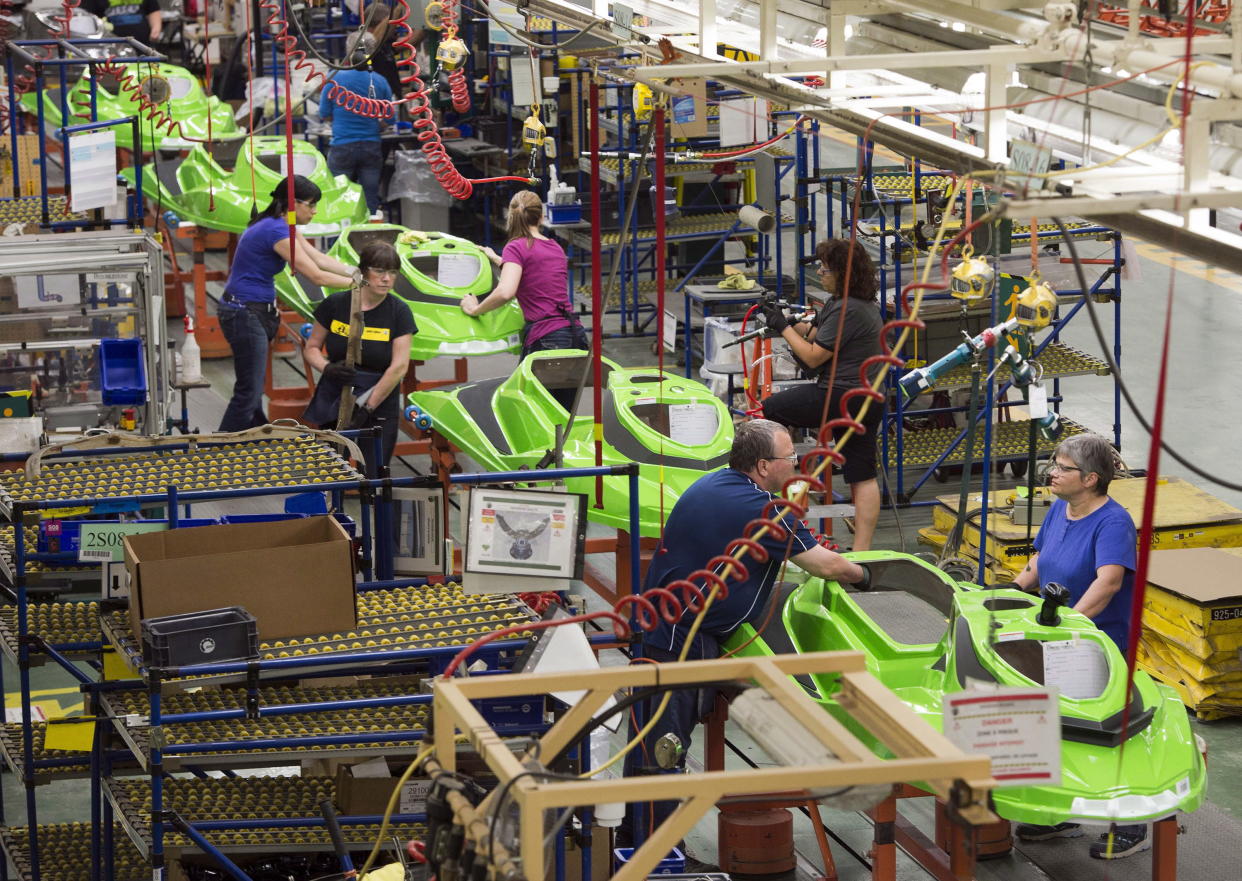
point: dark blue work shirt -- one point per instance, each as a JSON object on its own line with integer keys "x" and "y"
{"x": 709, "y": 515}
{"x": 1070, "y": 552}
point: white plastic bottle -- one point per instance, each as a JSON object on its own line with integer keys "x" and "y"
{"x": 191, "y": 356}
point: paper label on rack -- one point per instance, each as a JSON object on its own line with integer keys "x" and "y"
{"x": 1019, "y": 728}
{"x": 99, "y": 542}
{"x": 622, "y": 20}
{"x": 414, "y": 797}
{"x": 1038, "y": 403}
{"x": 669, "y": 332}
{"x": 92, "y": 167}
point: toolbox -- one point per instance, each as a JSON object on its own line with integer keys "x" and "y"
{"x": 230, "y": 634}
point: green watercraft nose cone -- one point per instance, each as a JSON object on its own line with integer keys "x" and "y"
{"x": 155, "y": 92}
{"x": 216, "y": 185}
{"x": 437, "y": 270}
{"x": 674, "y": 428}
{"x": 925, "y": 635}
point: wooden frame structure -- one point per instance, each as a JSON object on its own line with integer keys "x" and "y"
{"x": 921, "y": 753}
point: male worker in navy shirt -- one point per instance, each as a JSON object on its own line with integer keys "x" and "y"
{"x": 355, "y": 150}
{"x": 710, "y": 514}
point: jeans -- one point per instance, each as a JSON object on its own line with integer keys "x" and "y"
{"x": 248, "y": 338}
{"x": 361, "y": 162}
{"x": 571, "y": 337}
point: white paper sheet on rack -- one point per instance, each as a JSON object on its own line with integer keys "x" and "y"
{"x": 92, "y": 170}
{"x": 737, "y": 122}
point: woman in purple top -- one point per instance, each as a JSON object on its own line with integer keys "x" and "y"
{"x": 534, "y": 269}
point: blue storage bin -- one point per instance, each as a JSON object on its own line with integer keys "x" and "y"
{"x": 122, "y": 372}
{"x": 348, "y": 524}
{"x": 673, "y": 864}
{"x": 232, "y": 519}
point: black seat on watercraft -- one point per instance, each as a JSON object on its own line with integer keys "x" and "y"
{"x": 907, "y": 601}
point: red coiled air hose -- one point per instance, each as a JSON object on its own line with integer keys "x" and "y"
{"x": 459, "y": 90}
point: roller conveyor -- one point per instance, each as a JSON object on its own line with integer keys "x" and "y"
{"x": 65, "y": 853}
{"x": 242, "y": 803}
{"x": 60, "y": 624}
{"x": 248, "y": 464}
{"x": 1009, "y": 442}
{"x": 1057, "y": 359}
{"x": 390, "y": 730}
{"x": 388, "y": 620}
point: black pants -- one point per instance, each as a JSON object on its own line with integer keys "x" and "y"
{"x": 803, "y": 407}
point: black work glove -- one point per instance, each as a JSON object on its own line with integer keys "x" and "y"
{"x": 362, "y": 416}
{"x": 774, "y": 315}
{"x": 1005, "y": 585}
{"x": 865, "y": 582}
{"x": 340, "y": 373}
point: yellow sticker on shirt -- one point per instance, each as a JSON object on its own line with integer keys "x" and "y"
{"x": 375, "y": 334}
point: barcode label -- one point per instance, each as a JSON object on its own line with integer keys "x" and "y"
{"x": 97, "y": 555}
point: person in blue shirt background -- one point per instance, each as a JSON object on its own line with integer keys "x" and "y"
{"x": 355, "y": 150}
{"x": 247, "y": 311}
{"x": 1087, "y": 543}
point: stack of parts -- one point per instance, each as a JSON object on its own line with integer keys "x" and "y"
{"x": 1192, "y": 627}
{"x": 1186, "y": 517}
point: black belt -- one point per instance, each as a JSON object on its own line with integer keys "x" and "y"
{"x": 247, "y": 304}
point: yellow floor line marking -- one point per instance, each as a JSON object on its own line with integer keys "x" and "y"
{"x": 14, "y": 698}
{"x": 1194, "y": 268}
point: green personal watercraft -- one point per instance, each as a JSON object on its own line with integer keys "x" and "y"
{"x": 925, "y": 635}
{"x": 212, "y": 185}
{"x": 437, "y": 270}
{"x": 673, "y": 427}
{"x": 172, "y": 93}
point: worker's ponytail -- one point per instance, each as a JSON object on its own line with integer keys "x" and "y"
{"x": 525, "y": 211}
{"x": 304, "y": 190}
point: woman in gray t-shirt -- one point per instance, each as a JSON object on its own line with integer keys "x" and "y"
{"x": 844, "y": 334}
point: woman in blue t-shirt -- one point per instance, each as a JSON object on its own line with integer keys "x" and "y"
{"x": 1087, "y": 543}
{"x": 247, "y": 310}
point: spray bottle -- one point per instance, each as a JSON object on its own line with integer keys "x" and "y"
{"x": 191, "y": 355}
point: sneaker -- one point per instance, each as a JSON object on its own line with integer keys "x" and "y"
{"x": 1035, "y": 832}
{"x": 695, "y": 866}
{"x": 1126, "y": 843}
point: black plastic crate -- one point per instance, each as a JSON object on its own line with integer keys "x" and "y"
{"x": 219, "y": 635}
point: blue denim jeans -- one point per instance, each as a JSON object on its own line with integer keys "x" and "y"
{"x": 248, "y": 338}
{"x": 361, "y": 162}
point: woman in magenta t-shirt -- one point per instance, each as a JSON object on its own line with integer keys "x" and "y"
{"x": 534, "y": 269}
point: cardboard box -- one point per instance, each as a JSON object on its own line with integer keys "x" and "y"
{"x": 295, "y": 576}
{"x": 601, "y": 857}
{"x": 368, "y": 796}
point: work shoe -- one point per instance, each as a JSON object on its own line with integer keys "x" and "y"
{"x": 1035, "y": 832}
{"x": 1126, "y": 842}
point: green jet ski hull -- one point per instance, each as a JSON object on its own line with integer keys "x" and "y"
{"x": 212, "y": 185}
{"x": 510, "y": 422}
{"x": 925, "y": 636}
{"x": 183, "y": 100}
{"x": 426, "y": 266}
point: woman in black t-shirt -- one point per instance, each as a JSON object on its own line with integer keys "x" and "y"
{"x": 844, "y": 342}
{"x": 385, "y": 352}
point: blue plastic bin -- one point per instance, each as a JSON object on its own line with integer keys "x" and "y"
{"x": 673, "y": 864}
{"x": 122, "y": 373}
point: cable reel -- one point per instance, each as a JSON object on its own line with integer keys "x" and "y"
{"x": 972, "y": 279}
{"x": 1036, "y": 304}
{"x": 451, "y": 53}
